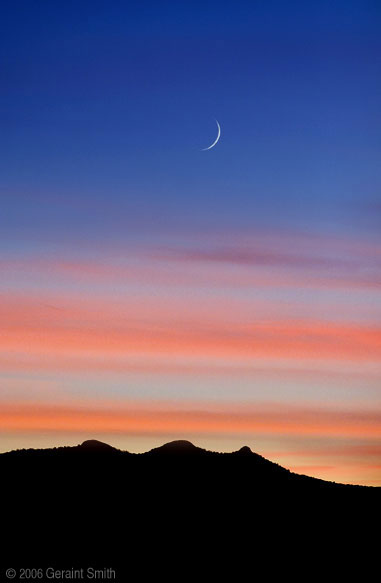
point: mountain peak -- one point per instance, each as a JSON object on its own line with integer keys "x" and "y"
{"x": 180, "y": 446}
{"x": 95, "y": 445}
{"x": 245, "y": 450}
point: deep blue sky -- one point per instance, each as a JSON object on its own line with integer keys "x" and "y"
{"x": 105, "y": 108}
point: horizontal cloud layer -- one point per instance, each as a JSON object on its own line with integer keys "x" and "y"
{"x": 191, "y": 418}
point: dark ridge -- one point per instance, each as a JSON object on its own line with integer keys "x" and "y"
{"x": 93, "y": 491}
{"x": 173, "y": 460}
{"x": 174, "y": 503}
{"x": 244, "y": 468}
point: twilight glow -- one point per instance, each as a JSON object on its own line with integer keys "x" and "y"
{"x": 150, "y": 291}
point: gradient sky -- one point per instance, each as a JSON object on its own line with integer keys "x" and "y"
{"x": 152, "y": 291}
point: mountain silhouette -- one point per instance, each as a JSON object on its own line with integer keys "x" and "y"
{"x": 168, "y": 509}
{"x": 250, "y": 470}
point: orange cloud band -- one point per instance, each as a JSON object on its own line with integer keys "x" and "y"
{"x": 98, "y": 328}
{"x": 150, "y": 421}
{"x": 300, "y": 341}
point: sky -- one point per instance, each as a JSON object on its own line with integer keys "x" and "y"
{"x": 150, "y": 290}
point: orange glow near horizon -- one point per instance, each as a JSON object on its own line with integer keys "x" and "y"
{"x": 154, "y": 423}
{"x": 146, "y": 420}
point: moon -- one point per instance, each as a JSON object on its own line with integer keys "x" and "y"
{"x": 216, "y": 140}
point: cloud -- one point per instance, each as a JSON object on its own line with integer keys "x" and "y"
{"x": 154, "y": 419}
{"x": 265, "y": 259}
{"x": 253, "y": 257}
{"x": 102, "y": 330}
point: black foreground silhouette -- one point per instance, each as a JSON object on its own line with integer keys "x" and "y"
{"x": 153, "y": 512}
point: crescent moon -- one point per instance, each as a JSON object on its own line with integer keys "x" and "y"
{"x": 216, "y": 140}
